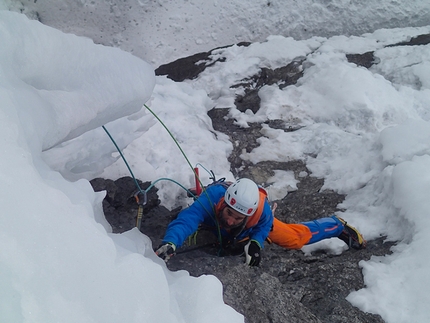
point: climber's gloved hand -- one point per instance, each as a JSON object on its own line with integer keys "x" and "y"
{"x": 166, "y": 251}
{"x": 252, "y": 253}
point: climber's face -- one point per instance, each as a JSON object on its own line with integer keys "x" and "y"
{"x": 231, "y": 219}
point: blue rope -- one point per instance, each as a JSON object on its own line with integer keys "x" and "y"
{"x": 134, "y": 178}
{"x": 123, "y": 158}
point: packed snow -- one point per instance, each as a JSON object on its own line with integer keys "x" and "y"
{"x": 366, "y": 132}
{"x": 59, "y": 262}
{"x": 164, "y": 30}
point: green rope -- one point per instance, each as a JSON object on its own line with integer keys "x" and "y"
{"x": 192, "y": 168}
{"x": 168, "y": 179}
{"x": 176, "y": 142}
{"x": 186, "y": 158}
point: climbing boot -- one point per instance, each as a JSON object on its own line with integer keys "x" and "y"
{"x": 351, "y": 236}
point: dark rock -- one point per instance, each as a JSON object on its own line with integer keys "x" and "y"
{"x": 188, "y": 68}
{"x": 366, "y": 60}
{"x": 120, "y": 205}
{"x": 250, "y": 101}
{"x": 185, "y": 68}
{"x": 414, "y": 41}
{"x": 283, "y": 76}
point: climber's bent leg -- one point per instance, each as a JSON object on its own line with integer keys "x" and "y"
{"x": 324, "y": 228}
{"x": 289, "y": 236}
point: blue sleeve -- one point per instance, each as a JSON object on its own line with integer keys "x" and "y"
{"x": 261, "y": 231}
{"x": 188, "y": 220}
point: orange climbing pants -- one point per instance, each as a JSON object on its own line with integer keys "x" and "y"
{"x": 289, "y": 236}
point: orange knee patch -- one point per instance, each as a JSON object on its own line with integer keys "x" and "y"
{"x": 289, "y": 236}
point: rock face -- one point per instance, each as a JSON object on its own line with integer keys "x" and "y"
{"x": 288, "y": 286}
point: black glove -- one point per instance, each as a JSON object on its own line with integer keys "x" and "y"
{"x": 166, "y": 251}
{"x": 252, "y": 253}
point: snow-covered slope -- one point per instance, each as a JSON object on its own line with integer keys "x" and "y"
{"x": 164, "y": 30}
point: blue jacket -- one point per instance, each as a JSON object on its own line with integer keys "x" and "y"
{"x": 202, "y": 211}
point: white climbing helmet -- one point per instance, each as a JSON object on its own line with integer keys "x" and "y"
{"x": 243, "y": 196}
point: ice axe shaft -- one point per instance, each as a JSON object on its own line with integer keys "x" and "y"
{"x": 197, "y": 179}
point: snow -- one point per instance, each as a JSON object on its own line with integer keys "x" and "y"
{"x": 164, "y": 30}
{"x": 366, "y": 132}
{"x": 59, "y": 260}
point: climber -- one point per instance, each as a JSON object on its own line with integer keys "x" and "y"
{"x": 240, "y": 211}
